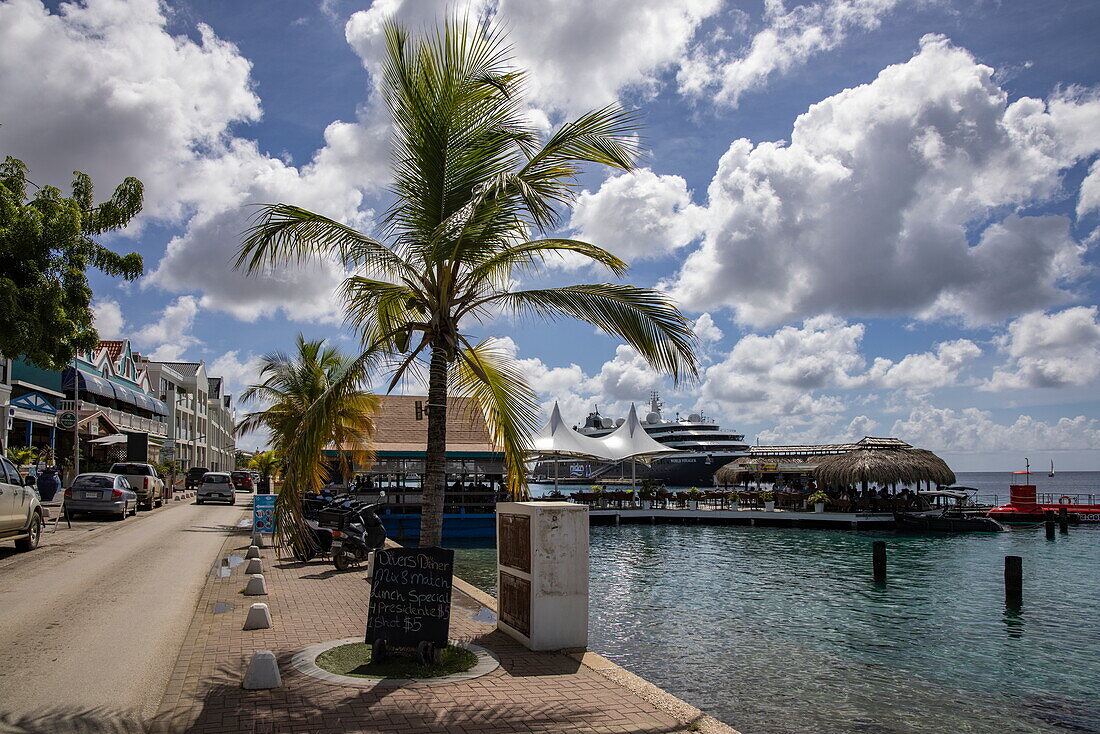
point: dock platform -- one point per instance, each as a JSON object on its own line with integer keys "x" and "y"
{"x": 760, "y": 518}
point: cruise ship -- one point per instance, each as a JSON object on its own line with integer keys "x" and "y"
{"x": 705, "y": 446}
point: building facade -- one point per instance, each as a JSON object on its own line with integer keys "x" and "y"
{"x": 200, "y": 414}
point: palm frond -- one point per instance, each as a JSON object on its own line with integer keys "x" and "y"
{"x": 487, "y": 374}
{"x": 284, "y": 233}
{"x": 646, "y": 319}
{"x": 501, "y": 266}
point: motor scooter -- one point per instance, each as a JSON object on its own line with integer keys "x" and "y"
{"x": 321, "y": 537}
{"x": 356, "y": 531}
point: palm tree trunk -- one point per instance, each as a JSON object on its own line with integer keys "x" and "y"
{"x": 435, "y": 479}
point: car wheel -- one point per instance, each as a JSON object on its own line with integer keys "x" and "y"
{"x": 198, "y": 502}
{"x": 135, "y": 509}
{"x": 233, "y": 501}
{"x": 122, "y": 515}
{"x": 35, "y": 535}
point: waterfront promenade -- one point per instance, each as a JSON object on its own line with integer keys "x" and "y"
{"x": 548, "y": 692}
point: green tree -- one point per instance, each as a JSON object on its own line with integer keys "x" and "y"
{"x": 288, "y": 387}
{"x": 266, "y": 463}
{"x": 475, "y": 193}
{"x": 46, "y": 247}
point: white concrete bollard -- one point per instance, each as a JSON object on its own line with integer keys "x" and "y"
{"x": 259, "y": 617}
{"x": 257, "y": 539}
{"x": 253, "y": 552}
{"x": 263, "y": 672}
{"x": 257, "y": 586}
{"x": 254, "y": 566}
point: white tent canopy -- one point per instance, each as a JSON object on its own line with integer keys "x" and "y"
{"x": 630, "y": 440}
{"x": 626, "y": 441}
{"x": 558, "y": 438}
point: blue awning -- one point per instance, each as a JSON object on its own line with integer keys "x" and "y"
{"x": 139, "y": 399}
{"x": 90, "y": 383}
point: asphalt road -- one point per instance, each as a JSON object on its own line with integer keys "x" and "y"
{"x": 95, "y": 621}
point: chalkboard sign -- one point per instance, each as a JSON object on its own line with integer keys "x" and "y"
{"x": 410, "y": 597}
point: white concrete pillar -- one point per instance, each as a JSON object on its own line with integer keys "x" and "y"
{"x": 542, "y": 573}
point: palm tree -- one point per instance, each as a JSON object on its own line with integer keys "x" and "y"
{"x": 472, "y": 184}
{"x": 289, "y": 387}
{"x": 265, "y": 462}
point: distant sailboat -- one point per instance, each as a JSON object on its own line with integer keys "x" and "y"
{"x": 1051, "y": 468}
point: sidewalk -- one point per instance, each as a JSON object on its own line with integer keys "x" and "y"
{"x": 540, "y": 692}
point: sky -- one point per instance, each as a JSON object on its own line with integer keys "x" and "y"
{"x": 882, "y": 217}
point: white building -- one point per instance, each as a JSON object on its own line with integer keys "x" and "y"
{"x": 200, "y": 420}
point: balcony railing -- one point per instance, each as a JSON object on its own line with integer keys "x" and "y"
{"x": 127, "y": 421}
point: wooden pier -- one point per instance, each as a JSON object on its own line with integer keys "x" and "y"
{"x": 758, "y": 518}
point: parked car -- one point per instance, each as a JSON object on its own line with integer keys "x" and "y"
{"x": 242, "y": 481}
{"x": 146, "y": 482}
{"x": 216, "y": 485}
{"x": 194, "y": 477}
{"x": 101, "y": 492}
{"x": 20, "y": 510}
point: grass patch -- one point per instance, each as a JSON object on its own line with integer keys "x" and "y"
{"x": 354, "y": 660}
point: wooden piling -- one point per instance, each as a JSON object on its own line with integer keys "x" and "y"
{"x": 878, "y": 560}
{"x": 1050, "y": 525}
{"x": 1014, "y": 580}
{"x": 1063, "y": 520}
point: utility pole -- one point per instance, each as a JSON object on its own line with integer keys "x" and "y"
{"x": 76, "y": 411}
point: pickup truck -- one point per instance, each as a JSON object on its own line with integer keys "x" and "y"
{"x": 146, "y": 482}
{"x": 21, "y": 517}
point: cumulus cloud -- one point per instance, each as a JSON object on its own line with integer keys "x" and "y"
{"x": 788, "y": 39}
{"x": 238, "y": 371}
{"x": 163, "y": 108}
{"x": 1088, "y": 199}
{"x": 612, "y": 45}
{"x": 107, "y": 318}
{"x": 638, "y": 215}
{"x": 974, "y": 430}
{"x": 783, "y": 374}
{"x": 706, "y": 331}
{"x": 169, "y": 337}
{"x": 870, "y": 208}
{"x": 1049, "y": 350}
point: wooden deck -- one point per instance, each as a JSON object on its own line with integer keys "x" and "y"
{"x": 762, "y": 518}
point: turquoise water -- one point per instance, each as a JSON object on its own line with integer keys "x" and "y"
{"x": 782, "y": 630}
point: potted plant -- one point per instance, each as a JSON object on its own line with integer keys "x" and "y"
{"x": 600, "y": 499}
{"x": 647, "y": 494}
{"x": 818, "y": 500}
{"x": 734, "y": 499}
{"x": 693, "y": 498}
{"x": 768, "y": 498}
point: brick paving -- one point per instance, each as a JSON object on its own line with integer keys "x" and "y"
{"x": 311, "y": 603}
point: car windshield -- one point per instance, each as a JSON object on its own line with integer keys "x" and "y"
{"x": 241, "y": 475}
{"x": 215, "y": 479}
{"x": 143, "y": 470}
{"x": 94, "y": 482}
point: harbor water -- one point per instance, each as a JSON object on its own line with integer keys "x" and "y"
{"x": 783, "y": 630}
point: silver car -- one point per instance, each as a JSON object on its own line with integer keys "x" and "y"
{"x": 216, "y": 485}
{"x": 102, "y": 492}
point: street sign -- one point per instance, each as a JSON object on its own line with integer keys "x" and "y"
{"x": 263, "y": 513}
{"x": 66, "y": 419}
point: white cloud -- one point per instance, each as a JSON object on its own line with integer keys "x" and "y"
{"x": 974, "y": 430}
{"x": 783, "y": 374}
{"x": 169, "y": 337}
{"x": 1088, "y": 199}
{"x": 789, "y": 38}
{"x": 108, "y": 319}
{"x": 706, "y": 331}
{"x": 612, "y": 45}
{"x": 868, "y": 210}
{"x": 638, "y": 215}
{"x": 937, "y": 368}
{"x": 238, "y": 372}
{"x": 1050, "y": 350}
{"x": 162, "y": 108}
{"x": 116, "y": 95}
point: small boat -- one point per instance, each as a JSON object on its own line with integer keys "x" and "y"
{"x": 1051, "y": 468}
{"x": 948, "y": 511}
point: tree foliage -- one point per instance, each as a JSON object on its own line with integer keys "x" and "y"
{"x": 289, "y": 386}
{"x": 46, "y": 246}
{"x": 478, "y": 195}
